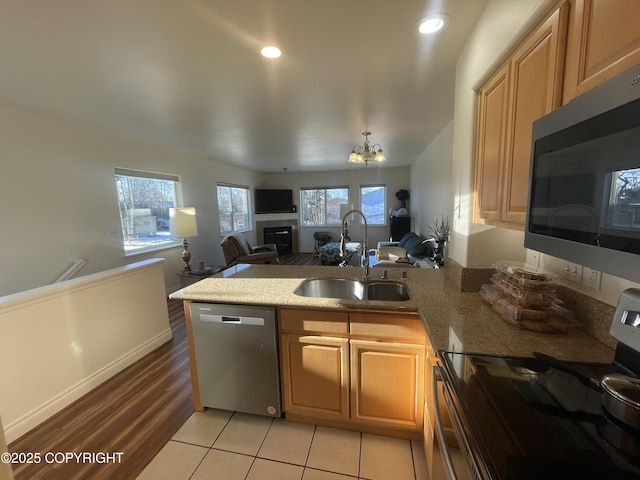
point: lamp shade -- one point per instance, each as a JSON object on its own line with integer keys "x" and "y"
{"x": 182, "y": 222}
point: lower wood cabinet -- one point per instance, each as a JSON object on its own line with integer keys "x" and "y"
{"x": 359, "y": 370}
{"x": 315, "y": 375}
{"x": 386, "y": 383}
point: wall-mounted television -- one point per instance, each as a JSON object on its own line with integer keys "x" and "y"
{"x": 274, "y": 201}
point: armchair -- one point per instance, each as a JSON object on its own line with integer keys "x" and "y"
{"x": 237, "y": 249}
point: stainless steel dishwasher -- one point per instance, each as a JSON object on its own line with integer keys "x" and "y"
{"x": 237, "y": 357}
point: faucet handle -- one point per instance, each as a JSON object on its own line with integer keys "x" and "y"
{"x": 403, "y": 274}
{"x": 384, "y": 273}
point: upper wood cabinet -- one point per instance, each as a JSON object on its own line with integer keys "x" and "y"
{"x": 526, "y": 87}
{"x": 603, "y": 41}
{"x": 492, "y": 110}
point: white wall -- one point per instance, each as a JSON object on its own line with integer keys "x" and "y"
{"x": 59, "y": 201}
{"x": 431, "y": 192}
{"x": 6, "y": 472}
{"x": 58, "y": 342}
{"x": 394, "y": 178}
{"x": 501, "y": 26}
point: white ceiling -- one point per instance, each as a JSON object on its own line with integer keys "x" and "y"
{"x": 188, "y": 74}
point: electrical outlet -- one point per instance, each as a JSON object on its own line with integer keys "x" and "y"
{"x": 572, "y": 272}
{"x": 534, "y": 258}
{"x": 591, "y": 278}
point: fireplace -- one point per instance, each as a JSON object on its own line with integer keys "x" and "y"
{"x": 281, "y": 236}
{"x": 267, "y": 232}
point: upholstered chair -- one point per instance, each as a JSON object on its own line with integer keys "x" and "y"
{"x": 237, "y": 249}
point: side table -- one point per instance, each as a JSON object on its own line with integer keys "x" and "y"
{"x": 187, "y": 279}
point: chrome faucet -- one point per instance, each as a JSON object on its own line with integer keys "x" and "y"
{"x": 365, "y": 251}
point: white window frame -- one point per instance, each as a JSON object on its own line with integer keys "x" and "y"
{"x": 235, "y": 216}
{"x": 384, "y": 205}
{"x": 155, "y": 234}
{"x": 303, "y": 206}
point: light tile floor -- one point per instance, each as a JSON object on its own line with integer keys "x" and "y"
{"x": 224, "y": 445}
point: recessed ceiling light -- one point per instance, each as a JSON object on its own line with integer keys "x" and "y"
{"x": 271, "y": 52}
{"x": 433, "y": 23}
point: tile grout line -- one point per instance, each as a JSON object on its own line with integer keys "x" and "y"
{"x": 306, "y": 460}
{"x": 413, "y": 460}
{"x": 210, "y": 447}
{"x": 258, "y": 451}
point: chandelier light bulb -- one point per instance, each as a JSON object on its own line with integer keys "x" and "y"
{"x": 366, "y": 152}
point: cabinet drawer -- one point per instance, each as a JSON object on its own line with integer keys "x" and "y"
{"x": 313, "y": 321}
{"x": 379, "y": 326}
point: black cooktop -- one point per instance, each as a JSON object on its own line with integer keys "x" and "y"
{"x": 533, "y": 421}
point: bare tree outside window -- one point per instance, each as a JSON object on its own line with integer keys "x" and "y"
{"x": 233, "y": 208}
{"x": 321, "y": 206}
{"x": 144, "y": 200}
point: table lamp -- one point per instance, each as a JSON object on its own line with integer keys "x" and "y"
{"x": 182, "y": 222}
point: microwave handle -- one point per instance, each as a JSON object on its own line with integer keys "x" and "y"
{"x": 437, "y": 377}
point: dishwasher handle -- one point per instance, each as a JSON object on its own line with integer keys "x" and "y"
{"x": 450, "y": 470}
{"x": 231, "y": 319}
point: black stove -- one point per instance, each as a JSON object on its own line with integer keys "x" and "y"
{"x": 528, "y": 419}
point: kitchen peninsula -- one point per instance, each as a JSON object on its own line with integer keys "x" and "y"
{"x": 453, "y": 320}
{"x": 367, "y": 365}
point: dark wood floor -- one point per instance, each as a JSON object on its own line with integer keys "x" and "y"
{"x": 299, "y": 259}
{"x": 135, "y": 412}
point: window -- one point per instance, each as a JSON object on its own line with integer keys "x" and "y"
{"x": 321, "y": 206}
{"x": 144, "y": 200}
{"x": 233, "y": 208}
{"x": 372, "y": 200}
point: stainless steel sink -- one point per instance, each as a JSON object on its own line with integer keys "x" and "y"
{"x": 353, "y": 289}
{"x": 387, "y": 291}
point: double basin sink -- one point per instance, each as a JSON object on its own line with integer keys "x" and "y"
{"x": 388, "y": 291}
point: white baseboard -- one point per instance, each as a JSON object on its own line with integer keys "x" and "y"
{"x": 35, "y": 417}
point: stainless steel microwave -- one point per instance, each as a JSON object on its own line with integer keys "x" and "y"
{"x": 584, "y": 181}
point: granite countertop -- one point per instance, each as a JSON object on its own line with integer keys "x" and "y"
{"x": 453, "y": 320}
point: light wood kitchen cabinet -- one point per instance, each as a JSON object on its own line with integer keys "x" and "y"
{"x": 492, "y": 115}
{"x": 603, "y": 41}
{"x": 315, "y": 373}
{"x": 359, "y": 370}
{"x": 314, "y": 362}
{"x": 386, "y": 383}
{"x": 387, "y": 369}
{"x": 526, "y": 87}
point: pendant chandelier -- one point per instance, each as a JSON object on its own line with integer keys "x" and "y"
{"x": 366, "y": 153}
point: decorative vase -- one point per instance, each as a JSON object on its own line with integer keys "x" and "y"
{"x": 440, "y": 252}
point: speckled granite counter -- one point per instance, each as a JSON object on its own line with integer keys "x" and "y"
{"x": 453, "y": 320}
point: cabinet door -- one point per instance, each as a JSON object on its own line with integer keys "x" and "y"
{"x": 315, "y": 375}
{"x": 429, "y": 418}
{"x": 535, "y": 90}
{"x": 387, "y": 384}
{"x": 528, "y": 86}
{"x": 492, "y": 114}
{"x": 604, "y": 41}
